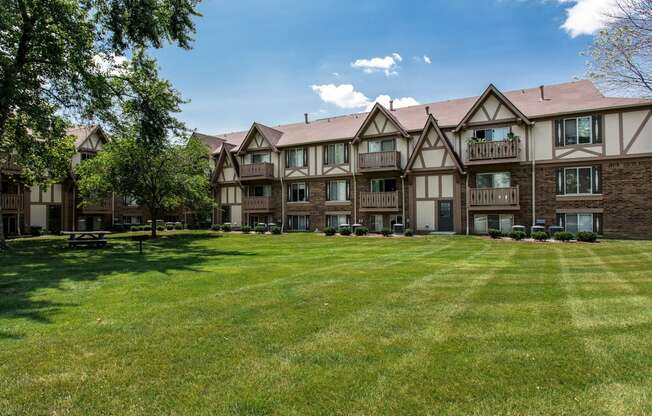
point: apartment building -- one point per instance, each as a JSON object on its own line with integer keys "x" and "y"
{"x": 552, "y": 155}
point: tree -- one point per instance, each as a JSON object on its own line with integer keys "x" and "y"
{"x": 142, "y": 161}
{"x": 621, "y": 53}
{"x": 58, "y": 58}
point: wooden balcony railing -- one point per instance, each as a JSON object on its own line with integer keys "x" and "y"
{"x": 10, "y": 201}
{"x": 257, "y": 203}
{"x": 257, "y": 171}
{"x": 379, "y": 200}
{"x": 507, "y": 149}
{"x": 485, "y": 197}
{"x": 379, "y": 161}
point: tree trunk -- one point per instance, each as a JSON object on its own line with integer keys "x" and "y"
{"x": 153, "y": 212}
{"x": 3, "y": 243}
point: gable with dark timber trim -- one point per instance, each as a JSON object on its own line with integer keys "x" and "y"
{"x": 379, "y": 122}
{"x": 225, "y": 161}
{"x": 259, "y": 132}
{"x": 433, "y": 150}
{"x": 491, "y": 107}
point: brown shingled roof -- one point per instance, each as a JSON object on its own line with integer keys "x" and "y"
{"x": 81, "y": 133}
{"x": 569, "y": 97}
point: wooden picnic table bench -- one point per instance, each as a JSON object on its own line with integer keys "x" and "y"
{"x": 86, "y": 238}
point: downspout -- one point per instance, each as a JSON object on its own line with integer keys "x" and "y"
{"x": 283, "y": 203}
{"x": 403, "y": 199}
{"x": 534, "y": 196}
{"x": 354, "y": 166}
{"x": 466, "y": 199}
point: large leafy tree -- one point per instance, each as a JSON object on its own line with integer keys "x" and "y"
{"x": 621, "y": 53}
{"x": 59, "y": 58}
{"x": 143, "y": 160}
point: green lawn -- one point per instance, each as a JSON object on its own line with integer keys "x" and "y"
{"x": 307, "y": 325}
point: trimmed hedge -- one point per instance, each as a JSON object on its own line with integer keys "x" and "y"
{"x": 226, "y": 228}
{"x": 387, "y": 232}
{"x": 495, "y": 234}
{"x": 408, "y": 232}
{"x": 346, "y": 231}
{"x": 329, "y": 231}
{"x": 260, "y": 229}
{"x": 540, "y": 235}
{"x": 215, "y": 227}
{"x": 245, "y": 229}
{"x": 517, "y": 235}
{"x": 169, "y": 227}
{"x": 587, "y": 236}
{"x": 160, "y": 228}
{"x": 563, "y": 236}
{"x": 276, "y": 230}
{"x": 360, "y": 231}
{"x": 178, "y": 226}
{"x": 147, "y": 227}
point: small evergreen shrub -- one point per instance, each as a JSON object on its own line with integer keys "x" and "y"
{"x": 329, "y": 231}
{"x": 563, "y": 236}
{"x": 346, "y": 231}
{"x": 587, "y": 236}
{"x": 493, "y": 233}
{"x": 135, "y": 228}
{"x": 276, "y": 230}
{"x": 226, "y": 228}
{"x": 215, "y": 227}
{"x": 517, "y": 235}
{"x": 147, "y": 227}
{"x": 540, "y": 235}
{"x": 360, "y": 231}
{"x": 178, "y": 226}
{"x": 408, "y": 232}
{"x": 260, "y": 229}
{"x": 387, "y": 232}
{"x": 160, "y": 228}
{"x": 245, "y": 229}
{"x": 169, "y": 227}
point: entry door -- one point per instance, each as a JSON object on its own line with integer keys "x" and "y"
{"x": 445, "y": 216}
{"x": 54, "y": 219}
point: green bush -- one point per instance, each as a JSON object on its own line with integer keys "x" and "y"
{"x": 147, "y": 227}
{"x": 160, "y": 228}
{"x": 493, "y": 233}
{"x": 260, "y": 229}
{"x": 245, "y": 229}
{"x": 276, "y": 230}
{"x": 517, "y": 235}
{"x": 178, "y": 226}
{"x": 408, "y": 232}
{"x": 563, "y": 236}
{"x": 215, "y": 227}
{"x": 169, "y": 227}
{"x": 135, "y": 228}
{"x": 360, "y": 231}
{"x": 587, "y": 236}
{"x": 226, "y": 228}
{"x": 540, "y": 235}
{"x": 345, "y": 231}
{"x": 387, "y": 232}
{"x": 329, "y": 231}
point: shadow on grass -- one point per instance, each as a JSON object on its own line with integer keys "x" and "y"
{"x": 31, "y": 265}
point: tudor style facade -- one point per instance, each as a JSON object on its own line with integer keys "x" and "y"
{"x": 553, "y": 155}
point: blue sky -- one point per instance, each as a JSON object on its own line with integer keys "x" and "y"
{"x": 268, "y": 61}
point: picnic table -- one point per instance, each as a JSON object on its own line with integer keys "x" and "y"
{"x": 86, "y": 238}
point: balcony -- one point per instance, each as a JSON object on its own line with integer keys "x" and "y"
{"x": 257, "y": 203}
{"x": 490, "y": 199}
{"x": 101, "y": 207}
{"x": 506, "y": 150}
{"x": 257, "y": 171}
{"x": 10, "y": 201}
{"x": 379, "y": 201}
{"x": 379, "y": 161}
{"x": 10, "y": 165}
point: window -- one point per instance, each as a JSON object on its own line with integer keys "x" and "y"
{"x": 336, "y": 221}
{"x": 383, "y": 145}
{"x": 376, "y": 223}
{"x": 483, "y": 223}
{"x": 132, "y": 219}
{"x": 260, "y": 190}
{"x": 226, "y": 214}
{"x": 493, "y": 180}
{"x": 579, "y": 222}
{"x": 578, "y": 181}
{"x": 383, "y": 185}
{"x": 261, "y": 158}
{"x": 296, "y": 158}
{"x": 129, "y": 201}
{"x": 87, "y": 155}
{"x": 297, "y": 192}
{"x": 395, "y": 219}
{"x": 578, "y": 131}
{"x": 336, "y": 154}
{"x": 493, "y": 135}
{"x": 299, "y": 222}
{"x": 337, "y": 190}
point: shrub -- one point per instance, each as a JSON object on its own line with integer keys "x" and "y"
{"x": 387, "y": 232}
{"x": 493, "y": 233}
{"x": 169, "y": 227}
{"x": 563, "y": 236}
{"x": 134, "y": 228}
{"x": 408, "y": 232}
{"x": 36, "y": 231}
{"x": 329, "y": 231}
{"x": 215, "y": 227}
{"x": 517, "y": 235}
{"x": 178, "y": 226}
{"x": 147, "y": 227}
{"x": 360, "y": 231}
{"x": 260, "y": 229}
{"x": 226, "y": 228}
{"x": 276, "y": 230}
{"x": 540, "y": 235}
{"x": 160, "y": 228}
{"x": 345, "y": 231}
{"x": 587, "y": 236}
{"x": 245, "y": 229}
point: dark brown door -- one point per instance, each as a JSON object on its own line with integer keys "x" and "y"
{"x": 445, "y": 216}
{"x": 54, "y": 219}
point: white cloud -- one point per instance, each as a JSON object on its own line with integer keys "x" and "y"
{"x": 343, "y": 96}
{"x": 586, "y": 17}
{"x": 427, "y": 59}
{"x": 388, "y": 64}
{"x": 336, "y": 74}
{"x": 398, "y": 102}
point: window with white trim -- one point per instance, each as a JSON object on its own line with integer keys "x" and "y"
{"x": 296, "y": 158}
{"x": 579, "y": 222}
{"x": 495, "y": 134}
{"x": 336, "y": 221}
{"x": 298, "y": 222}
{"x": 482, "y": 223}
{"x": 336, "y": 154}
{"x": 383, "y": 185}
{"x": 381, "y": 145}
{"x": 578, "y": 130}
{"x": 493, "y": 180}
{"x": 337, "y": 190}
{"x": 583, "y": 180}
{"x": 298, "y": 192}
{"x": 259, "y": 190}
{"x": 261, "y": 158}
